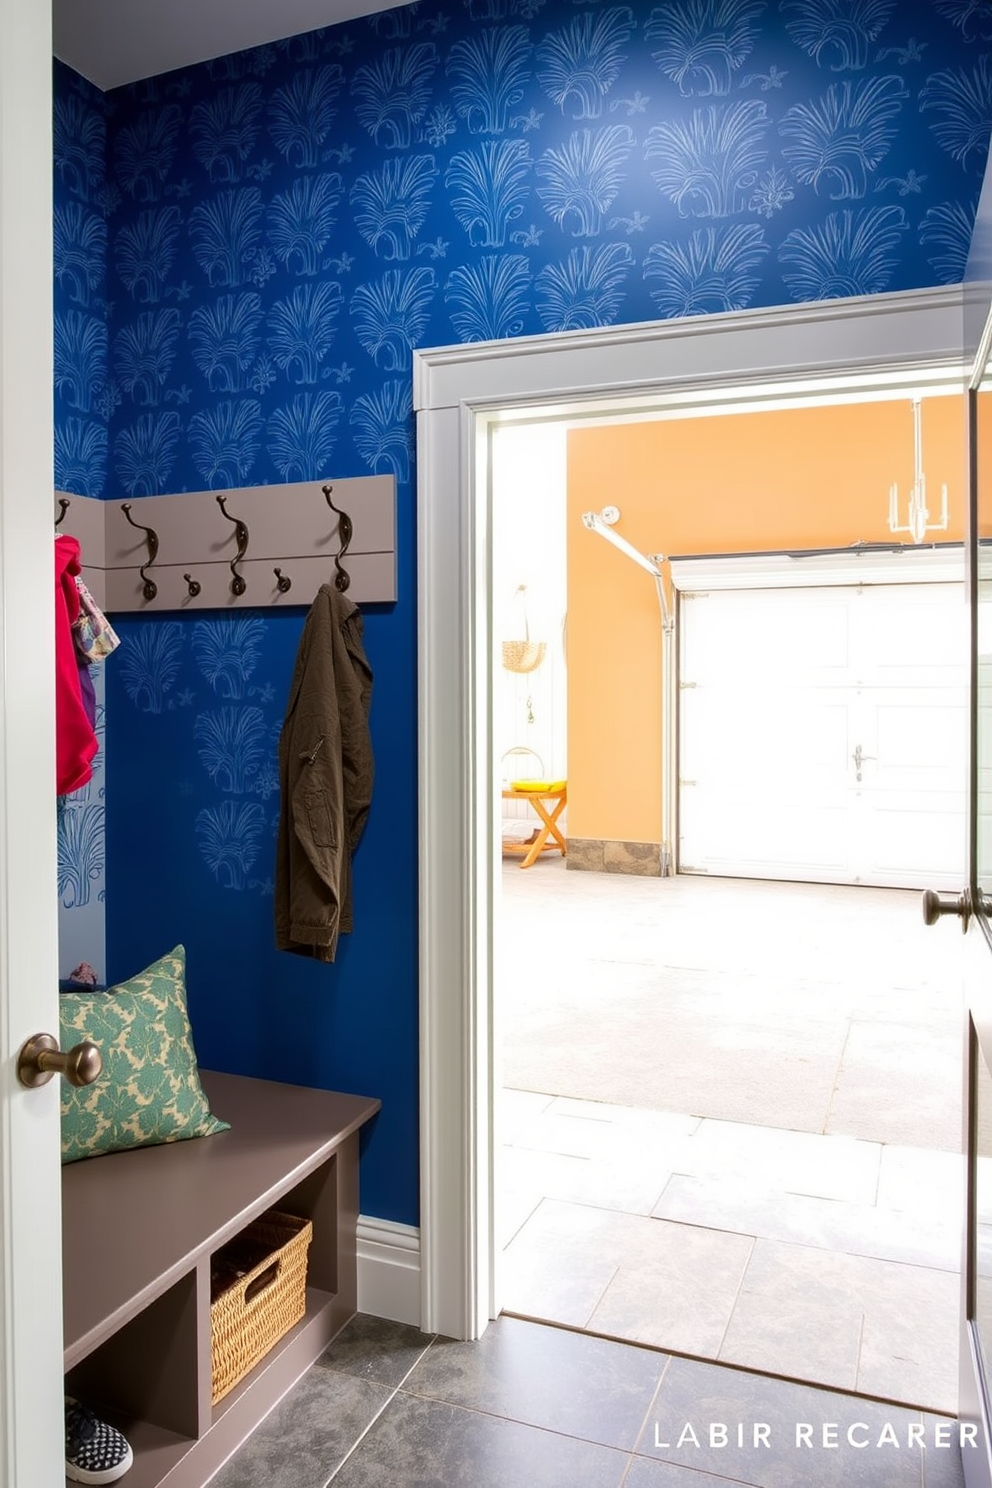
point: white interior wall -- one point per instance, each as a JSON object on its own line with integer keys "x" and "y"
{"x": 529, "y": 548}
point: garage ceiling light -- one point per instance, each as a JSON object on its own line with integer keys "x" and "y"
{"x": 918, "y": 523}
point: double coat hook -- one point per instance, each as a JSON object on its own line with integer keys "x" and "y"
{"x": 149, "y": 587}
{"x": 345, "y": 533}
{"x": 238, "y": 585}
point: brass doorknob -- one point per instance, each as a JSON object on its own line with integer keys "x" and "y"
{"x": 41, "y": 1058}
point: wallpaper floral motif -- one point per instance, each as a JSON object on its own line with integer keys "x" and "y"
{"x": 247, "y": 252}
{"x": 207, "y": 669}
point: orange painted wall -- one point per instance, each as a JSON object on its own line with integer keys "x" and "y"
{"x": 733, "y": 483}
{"x": 985, "y": 463}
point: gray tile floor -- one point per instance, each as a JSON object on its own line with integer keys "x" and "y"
{"x": 731, "y": 1131}
{"x": 733, "y": 1108}
{"x": 534, "y": 1406}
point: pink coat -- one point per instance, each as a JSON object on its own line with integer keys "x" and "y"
{"x": 75, "y": 741}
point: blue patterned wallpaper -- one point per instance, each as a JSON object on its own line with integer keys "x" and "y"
{"x": 82, "y": 379}
{"x": 194, "y": 710}
{"x": 82, "y": 875}
{"x": 247, "y": 252}
{"x": 284, "y": 224}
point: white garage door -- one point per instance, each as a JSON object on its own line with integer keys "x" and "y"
{"x": 823, "y": 734}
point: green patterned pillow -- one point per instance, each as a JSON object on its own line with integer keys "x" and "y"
{"x": 149, "y": 1090}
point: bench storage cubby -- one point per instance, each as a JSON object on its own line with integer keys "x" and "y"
{"x": 139, "y": 1229}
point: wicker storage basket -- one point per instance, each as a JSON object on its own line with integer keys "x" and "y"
{"x": 258, "y": 1287}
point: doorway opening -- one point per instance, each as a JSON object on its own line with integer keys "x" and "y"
{"x": 461, "y": 394}
{"x": 730, "y": 1113}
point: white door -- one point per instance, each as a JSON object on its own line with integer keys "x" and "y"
{"x": 31, "y": 1420}
{"x": 823, "y": 733}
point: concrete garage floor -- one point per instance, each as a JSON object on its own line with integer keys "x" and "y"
{"x": 731, "y": 1123}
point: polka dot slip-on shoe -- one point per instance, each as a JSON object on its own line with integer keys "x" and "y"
{"x": 94, "y": 1451}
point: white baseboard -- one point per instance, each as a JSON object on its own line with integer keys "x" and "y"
{"x": 389, "y": 1270}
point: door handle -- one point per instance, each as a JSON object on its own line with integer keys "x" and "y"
{"x": 935, "y": 906}
{"x": 859, "y": 758}
{"x": 41, "y": 1058}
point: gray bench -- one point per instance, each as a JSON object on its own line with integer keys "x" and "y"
{"x": 138, "y": 1231}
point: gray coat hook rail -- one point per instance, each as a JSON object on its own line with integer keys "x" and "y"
{"x": 285, "y": 543}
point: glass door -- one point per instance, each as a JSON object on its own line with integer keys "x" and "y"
{"x": 974, "y": 906}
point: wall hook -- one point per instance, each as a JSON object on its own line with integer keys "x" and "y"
{"x": 149, "y": 587}
{"x": 64, "y": 504}
{"x": 283, "y": 582}
{"x": 238, "y": 585}
{"x": 193, "y": 585}
{"x": 345, "y": 532}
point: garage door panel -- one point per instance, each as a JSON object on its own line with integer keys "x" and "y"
{"x": 749, "y": 640}
{"x": 909, "y": 629}
{"x": 786, "y": 687}
{"x": 796, "y": 736}
{"x": 751, "y": 841}
{"x": 925, "y": 739}
{"x": 917, "y": 838}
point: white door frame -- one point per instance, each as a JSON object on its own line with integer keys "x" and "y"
{"x": 460, "y": 392}
{"x": 31, "y": 1413}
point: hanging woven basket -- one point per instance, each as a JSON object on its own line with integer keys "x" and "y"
{"x": 525, "y": 655}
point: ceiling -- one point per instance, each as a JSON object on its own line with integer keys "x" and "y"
{"x": 113, "y": 42}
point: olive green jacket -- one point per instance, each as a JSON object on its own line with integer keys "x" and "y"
{"x": 325, "y": 778}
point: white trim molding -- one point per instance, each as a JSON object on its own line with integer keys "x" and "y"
{"x": 872, "y": 342}
{"x": 860, "y": 335}
{"x": 389, "y": 1270}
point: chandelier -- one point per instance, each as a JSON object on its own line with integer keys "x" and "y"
{"x": 918, "y": 522}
